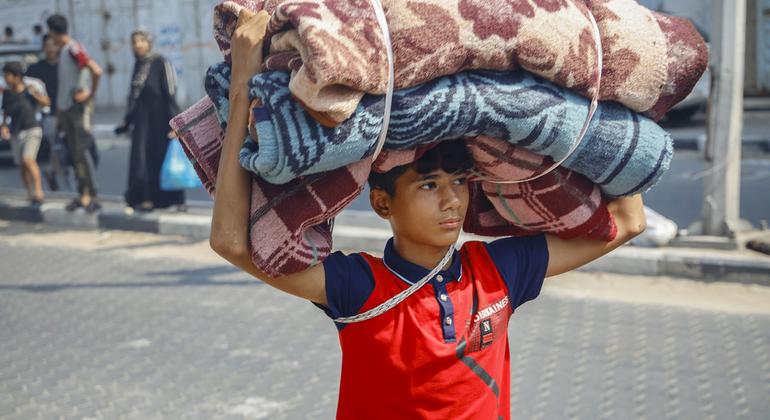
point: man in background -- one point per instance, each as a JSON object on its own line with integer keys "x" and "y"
{"x": 19, "y": 125}
{"x": 46, "y": 70}
{"x": 8, "y": 37}
{"x": 72, "y": 100}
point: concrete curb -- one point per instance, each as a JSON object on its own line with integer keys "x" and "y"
{"x": 364, "y": 231}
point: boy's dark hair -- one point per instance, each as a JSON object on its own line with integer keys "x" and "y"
{"x": 57, "y": 23}
{"x": 13, "y": 67}
{"x": 9, "y": 31}
{"x": 451, "y": 156}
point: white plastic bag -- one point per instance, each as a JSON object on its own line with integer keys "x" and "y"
{"x": 660, "y": 230}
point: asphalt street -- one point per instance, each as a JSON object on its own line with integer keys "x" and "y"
{"x": 117, "y": 325}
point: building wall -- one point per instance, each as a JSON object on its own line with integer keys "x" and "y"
{"x": 182, "y": 31}
{"x": 761, "y": 14}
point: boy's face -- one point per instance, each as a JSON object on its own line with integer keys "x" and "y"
{"x": 425, "y": 209}
{"x": 50, "y": 49}
{"x": 11, "y": 79}
{"x": 58, "y": 39}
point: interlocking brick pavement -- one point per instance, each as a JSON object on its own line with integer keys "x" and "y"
{"x": 102, "y": 335}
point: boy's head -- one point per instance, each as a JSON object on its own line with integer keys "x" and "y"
{"x": 13, "y": 73}
{"x": 425, "y": 201}
{"x": 57, "y": 28}
{"x": 50, "y": 49}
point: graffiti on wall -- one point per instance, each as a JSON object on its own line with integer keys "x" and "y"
{"x": 169, "y": 43}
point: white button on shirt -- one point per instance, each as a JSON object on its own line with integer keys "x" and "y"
{"x": 439, "y": 278}
{"x": 448, "y": 320}
{"x": 442, "y": 297}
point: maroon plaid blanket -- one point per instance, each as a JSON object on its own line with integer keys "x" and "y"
{"x": 561, "y": 202}
{"x": 289, "y": 224}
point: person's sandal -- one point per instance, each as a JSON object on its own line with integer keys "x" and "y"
{"x": 53, "y": 183}
{"x": 145, "y": 207}
{"x": 93, "y": 207}
{"x": 73, "y": 205}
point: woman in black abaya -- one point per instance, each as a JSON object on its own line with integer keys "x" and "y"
{"x": 151, "y": 104}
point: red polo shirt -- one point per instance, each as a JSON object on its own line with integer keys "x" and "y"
{"x": 443, "y": 352}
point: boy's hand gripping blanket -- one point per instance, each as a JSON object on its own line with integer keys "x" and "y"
{"x": 290, "y": 227}
{"x": 334, "y": 48}
{"x": 622, "y": 152}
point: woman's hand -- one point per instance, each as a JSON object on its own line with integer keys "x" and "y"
{"x": 246, "y": 48}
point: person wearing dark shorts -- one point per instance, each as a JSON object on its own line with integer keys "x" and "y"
{"x": 19, "y": 106}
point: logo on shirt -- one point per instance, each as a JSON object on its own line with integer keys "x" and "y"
{"x": 488, "y": 326}
{"x": 491, "y": 309}
{"x": 487, "y": 336}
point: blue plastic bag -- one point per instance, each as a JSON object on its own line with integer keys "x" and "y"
{"x": 177, "y": 173}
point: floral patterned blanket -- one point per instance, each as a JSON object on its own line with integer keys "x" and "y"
{"x": 335, "y": 48}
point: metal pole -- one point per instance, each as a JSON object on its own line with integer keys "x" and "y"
{"x": 721, "y": 204}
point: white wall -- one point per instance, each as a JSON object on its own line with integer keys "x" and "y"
{"x": 182, "y": 30}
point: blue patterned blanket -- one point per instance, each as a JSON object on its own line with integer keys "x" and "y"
{"x": 623, "y": 152}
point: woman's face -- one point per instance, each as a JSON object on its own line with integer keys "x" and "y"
{"x": 140, "y": 45}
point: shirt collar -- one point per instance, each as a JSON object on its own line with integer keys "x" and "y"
{"x": 411, "y": 272}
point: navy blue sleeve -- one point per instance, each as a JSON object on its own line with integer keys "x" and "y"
{"x": 349, "y": 282}
{"x": 521, "y": 262}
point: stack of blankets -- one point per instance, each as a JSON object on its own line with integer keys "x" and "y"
{"x": 513, "y": 78}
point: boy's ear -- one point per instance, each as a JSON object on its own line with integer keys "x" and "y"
{"x": 380, "y": 202}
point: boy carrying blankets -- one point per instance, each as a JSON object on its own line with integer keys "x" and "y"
{"x": 423, "y": 329}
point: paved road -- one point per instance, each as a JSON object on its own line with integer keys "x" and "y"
{"x": 152, "y": 328}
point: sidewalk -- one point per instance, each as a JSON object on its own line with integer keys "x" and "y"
{"x": 360, "y": 230}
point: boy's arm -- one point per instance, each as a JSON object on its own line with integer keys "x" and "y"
{"x": 96, "y": 74}
{"x": 567, "y": 255}
{"x": 230, "y": 221}
{"x": 83, "y": 94}
{"x": 5, "y": 132}
{"x": 41, "y": 98}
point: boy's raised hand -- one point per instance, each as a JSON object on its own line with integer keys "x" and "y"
{"x": 246, "y": 45}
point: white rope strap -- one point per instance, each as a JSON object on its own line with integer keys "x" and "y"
{"x": 477, "y": 176}
{"x": 380, "y": 13}
{"x": 395, "y": 300}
